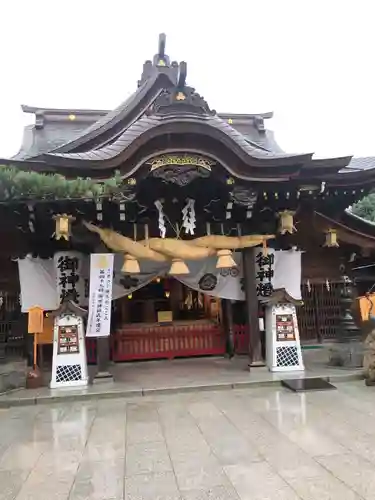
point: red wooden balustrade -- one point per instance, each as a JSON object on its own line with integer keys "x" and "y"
{"x": 168, "y": 341}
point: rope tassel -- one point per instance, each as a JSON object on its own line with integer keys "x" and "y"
{"x": 131, "y": 264}
{"x": 178, "y": 267}
{"x": 225, "y": 259}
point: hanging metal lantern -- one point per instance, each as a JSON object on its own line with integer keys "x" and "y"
{"x": 331, "y": 239}
{"x": 286, "y": 222}
{"x": 63, "y": 226}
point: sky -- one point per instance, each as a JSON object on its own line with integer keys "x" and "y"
{"x": 310, "y": 62}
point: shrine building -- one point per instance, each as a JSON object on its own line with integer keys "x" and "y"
{"x": 207, "y": 217}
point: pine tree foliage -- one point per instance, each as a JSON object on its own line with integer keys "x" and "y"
{"x": 365, "y": 208}
{"x": 20, "y": 185}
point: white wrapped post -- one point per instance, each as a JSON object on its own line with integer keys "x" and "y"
{"x": 282, "y": 338}
{"x": 69, "y": 364}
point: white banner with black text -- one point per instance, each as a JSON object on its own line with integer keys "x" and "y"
{"x": 46, "y": 281}
{"x": 100, "y": 297}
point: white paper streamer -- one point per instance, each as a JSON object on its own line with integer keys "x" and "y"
{"x": 162, "y": 228}
{"x": 188, "y": 217}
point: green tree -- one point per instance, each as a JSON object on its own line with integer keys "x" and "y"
{"x": 16, "y": 184}
{"x": 365, "y": 208}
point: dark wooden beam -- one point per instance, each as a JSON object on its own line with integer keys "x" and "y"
{"x": 228, "y": 325}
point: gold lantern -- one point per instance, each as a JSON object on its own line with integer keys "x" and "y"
{"x": 225, "y": 259}
{"x": 178, "y": 267}
{"x": 63, "y": 226}
{"x": 131, "y": 265}
{"x": 286, "y": 222}
{"x": 331, "y": 239}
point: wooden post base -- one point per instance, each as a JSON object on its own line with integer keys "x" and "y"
{"x": 256, "y": 364}
{"x": 103, "y": 374}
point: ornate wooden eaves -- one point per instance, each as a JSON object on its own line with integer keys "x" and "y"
{"x": 345, "y": 232}
{"x": 152, "y": 134}
{"x": 280, "y": 296}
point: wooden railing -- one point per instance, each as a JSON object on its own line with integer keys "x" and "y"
{"x": 168, "y": 342}
{"x": 128, "y": 344}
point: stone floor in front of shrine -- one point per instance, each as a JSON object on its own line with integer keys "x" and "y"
{"x": 249, "y": 444}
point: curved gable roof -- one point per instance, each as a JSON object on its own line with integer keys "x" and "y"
{"x": 154, "y": 125}
{"x": 115, "y": 121}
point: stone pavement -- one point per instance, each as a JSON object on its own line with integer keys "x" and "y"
{"x": 181, "y": 375}
{"x": 249, "y": 444}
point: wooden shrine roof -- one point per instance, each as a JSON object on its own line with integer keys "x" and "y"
{"x": 94, "y": 142}
{"x": 58, "y": 127}
{"x": 350, "y": 229}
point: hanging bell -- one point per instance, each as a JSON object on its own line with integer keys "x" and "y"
{"x": 286, "y": 222}
{"x": 178, "y": 267}
{"x": 331, "y": 239}
{"x": 131, "y": 265}
{"x": 63, "y": 226}
{"x": 225, "y": 259}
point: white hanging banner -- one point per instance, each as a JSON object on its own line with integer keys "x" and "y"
{"x": 278, "y": 269}
{"x": 288, "y": 272}
{"x": 70, "y": 281}
{"x": 44, "y": 283}
{"x": 124, "y": 284}
{"x": 206, "y": 278}
{"x": 265, "y": 264}
{"x": 100, "y": 299}
{"x": 38, "y": 283}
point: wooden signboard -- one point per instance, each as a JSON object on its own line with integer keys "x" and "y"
{"x": 165, "y": 317}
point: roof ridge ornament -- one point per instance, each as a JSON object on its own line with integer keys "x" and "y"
{"x": 181, "y": 98}
{"x": 159, "y": 64}
{"x": 182, "y": 72}
{"x": 161, "y": 59}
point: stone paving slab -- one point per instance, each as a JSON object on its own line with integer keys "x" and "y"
{"x": 176, "y": 376}
{"x": 263, "y": 443}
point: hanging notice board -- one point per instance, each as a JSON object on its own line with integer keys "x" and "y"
{"x": 285, "y": 330}
{"x": 68, "y": 340}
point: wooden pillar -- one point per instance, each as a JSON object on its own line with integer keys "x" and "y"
{"x": 148, "y": 309}
{"x": 228, "y": 325}
{"x": 251, "y": 300}
{"x": 124, "y": 314}
{"x": 103, "y": 361}
{"x": 176, "y": 297}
